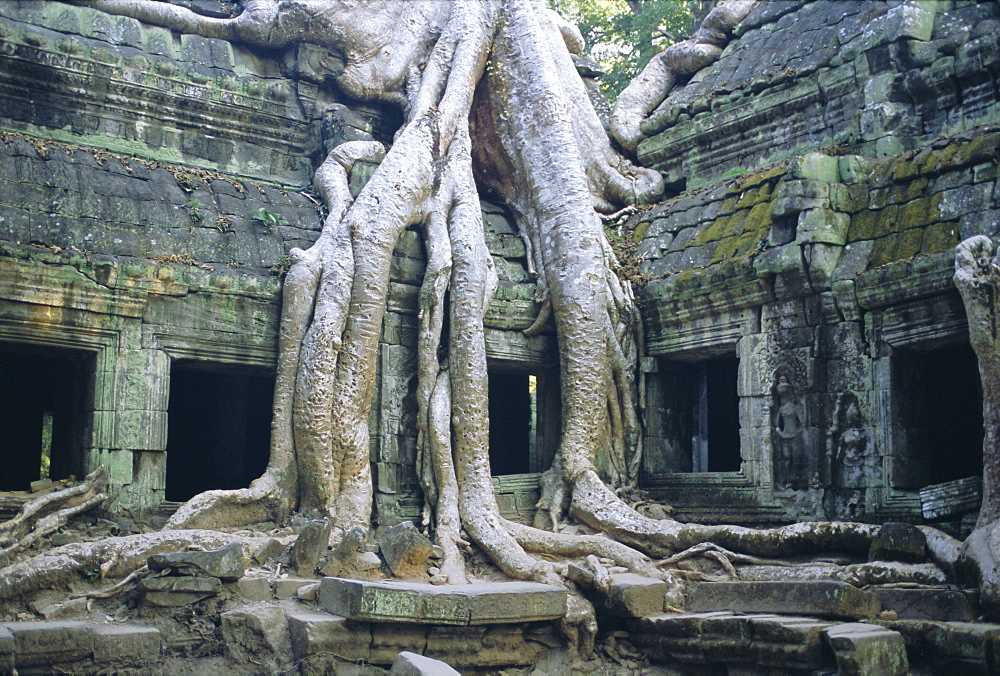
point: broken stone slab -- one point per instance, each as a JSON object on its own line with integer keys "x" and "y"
{"x": 406, "y": 551}
{"x": 227, "y": 563}
{"x": 314, "y": 633}
{"x": 127, "y": 644}
{"x": 631, "y": 595}
{"x": 468, "y": 604}
{"x": 412, "y": 664}
{"x": 898, "y": 542}
{"x": 168, "y": 592}
{"x": 314, "y": 536}
{"x": 946, "y": 605}
{"x": 825, "y": 598}
{"x": 863, "y": 649}
{"x": 45, "y": 643}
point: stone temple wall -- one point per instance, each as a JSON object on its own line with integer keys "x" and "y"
{"x": 151, "y": 186}
{"x": 798, "y": 307}
{"x": 821, "y": 263}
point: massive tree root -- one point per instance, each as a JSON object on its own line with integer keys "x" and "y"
{"x": 44, "y": 515}
{"x": 687, "y": 57}
{"x": 977, "y": 276}
{"x": 490, "y": 96}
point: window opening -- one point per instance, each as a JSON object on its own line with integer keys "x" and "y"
{"x": 218, "y": 428}
{"x": 42, "y": 415}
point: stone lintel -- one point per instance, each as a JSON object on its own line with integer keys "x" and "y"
{"x": 473, "y": 604}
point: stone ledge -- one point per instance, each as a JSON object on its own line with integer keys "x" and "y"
{"x": 821, "y": 598}
{"x": 474, "y": 604}
{"x": 87, "y": 647}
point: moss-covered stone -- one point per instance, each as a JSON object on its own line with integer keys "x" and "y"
{"x": 939, "y": 237}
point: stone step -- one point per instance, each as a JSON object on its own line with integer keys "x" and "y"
{"x": 770, "y": 641}
{"x": 972, "y": 647}
{"x": 421, "y": 603}
{"x": 774, "y": 641}
{"x": 824, "y": 598}
{"x": 85, "y": 647}
{"x": 863, "y": 649}
{"x": 946, "y": 605}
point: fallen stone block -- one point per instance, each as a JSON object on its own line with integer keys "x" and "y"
{"x": 126, "y": 644}
{"x": 631, "y": 595}
{"x": 258, "y": 635}
{"x": 309, "y": 546}
{"x": 167, "y": 592}
{"x": 227, "y": 563}
{"x": 412, "y": 664}
{"x": 483, "y": 603}
{"x": 71, "y": 608}
{"x": 254, "y": 588}
{"x": 46, "y": 643}
{"x": 406, "y": 551}
{"x": 313, "y": 633}
{"x": 271, "y": 549}
{"x": 946, "y": 605}
{"x": 288, "y": 587}
{"x": 824, "y": 598}
{"x": 863, "y": 649}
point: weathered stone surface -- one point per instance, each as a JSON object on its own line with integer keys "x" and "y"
{"x": 631, "y": 595}
{"x": 288, "y": 587}
{"x": 310, "y": 545}
{"x": 822, "y": 598}
{"x": 6, "y": 650}
{"x": 472, "y": 604}
{"x": 258, "y": 635}
{"x": 128, "y": 644}
{"x": 227, "y": 563}
{"x": 67, "y": 609}
{"x": 44, "y": 643}
{"x": 926, "y": 604}
{"x": 254, "y": 588}
{"x": 178, "y": 591}
{"x": 406, "y": 550}
{"x": 867, "y": 649}
{"x": 735, "y": 639}
{"x": 412, "y": 664}
{"x": 271, "y": 549}
{"x": 898, "y": 542}
{"x": 313, "y": 633}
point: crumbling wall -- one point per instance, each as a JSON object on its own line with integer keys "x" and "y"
{"x": 822, "y": 271}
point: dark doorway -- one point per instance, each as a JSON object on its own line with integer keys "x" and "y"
{"x": 42, "y": 416}
{"x": 525, "y": 420}
{"x": 942, "y": 413}
{"x": 696, "y": 417}
{"x": 218, "y": 429}
{"x": 512, "y": 423}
